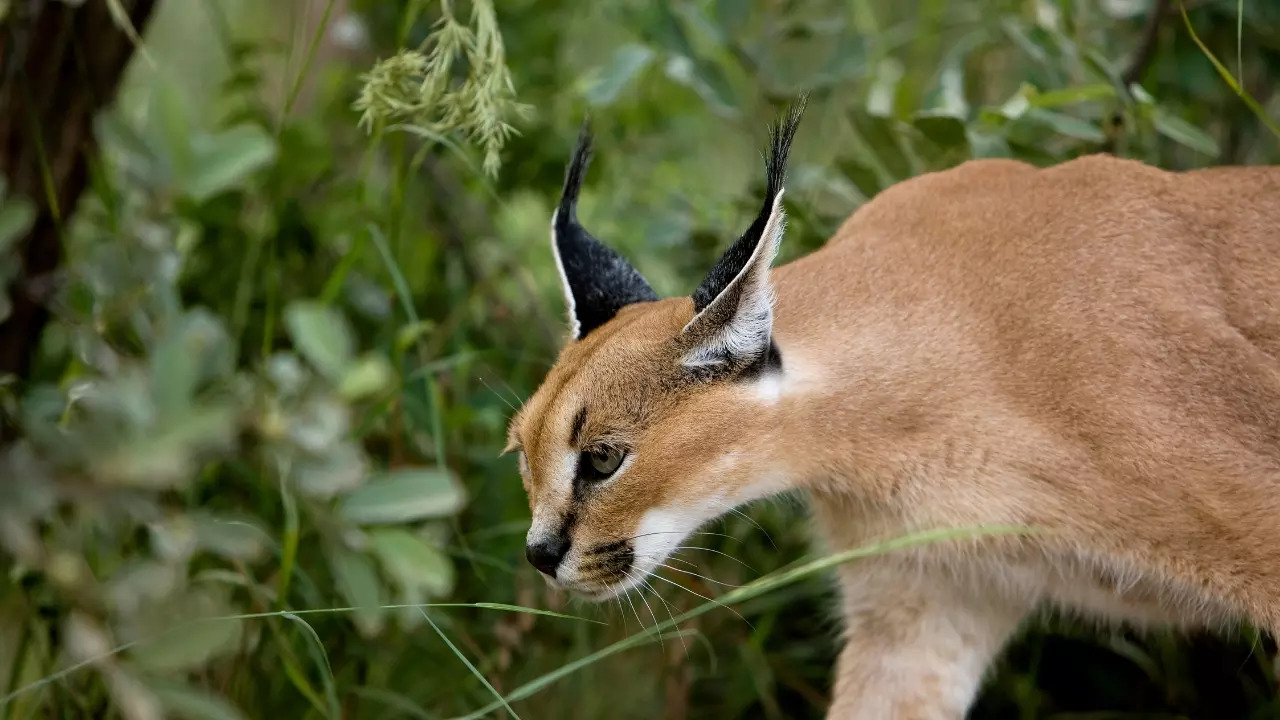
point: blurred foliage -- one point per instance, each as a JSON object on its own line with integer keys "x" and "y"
{"x": 264, "y": 426}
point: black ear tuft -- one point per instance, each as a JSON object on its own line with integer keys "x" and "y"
{"x": 598, "y": 282}
{"x": 574, "y": 174}
{"x": 735, "y": 258}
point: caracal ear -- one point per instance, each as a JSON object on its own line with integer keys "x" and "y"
{"x": 733, "y": 328}
{"x": 597, "y": 281}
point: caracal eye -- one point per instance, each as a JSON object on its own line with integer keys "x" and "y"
{"x": 600, "y": 463}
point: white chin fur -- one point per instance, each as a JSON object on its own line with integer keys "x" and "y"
{"x": 660, "y": 532}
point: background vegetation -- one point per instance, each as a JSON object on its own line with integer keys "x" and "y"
{"x": 303, "y": 289}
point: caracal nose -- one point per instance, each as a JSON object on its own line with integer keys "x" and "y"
{"x": 547, "y": 554}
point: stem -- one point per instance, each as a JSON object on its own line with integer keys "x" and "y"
{"x": 19, "y": 664}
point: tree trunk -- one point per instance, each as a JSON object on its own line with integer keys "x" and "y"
{"x": 60, "y": 63}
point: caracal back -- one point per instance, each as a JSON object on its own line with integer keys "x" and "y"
{"x": 1097, "y": 344}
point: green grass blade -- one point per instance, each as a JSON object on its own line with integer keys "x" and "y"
{"x": 478, "y": 605}
{"x": 1227, "y": 77}
{"x": 316, "y": 649}
{"x": 397, "y": 277}
{"x": 474, "y": 670}
{"x": 1240, "y": 36}
{"x": 120, "y": 17}
{"x": 288, "y": 543}
{"x": 306, "y": 63}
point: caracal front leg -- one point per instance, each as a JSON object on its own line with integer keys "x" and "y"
{"x": 917, "y": 644}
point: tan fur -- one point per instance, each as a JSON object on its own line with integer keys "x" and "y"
{"x": 1091, "y": 348}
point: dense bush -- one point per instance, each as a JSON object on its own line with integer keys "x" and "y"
{"x": 258, "y": 467}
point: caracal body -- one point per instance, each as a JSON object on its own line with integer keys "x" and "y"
{"x": 1091, "y": 350}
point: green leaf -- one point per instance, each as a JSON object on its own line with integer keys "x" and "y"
{"x": 1073, "y": 95}
{"x": 628, "y": 62}
{"x": 230, "y": 537}
{"x": 16, "y": 216}
{"x": 322, "y": 335}
{"x": 338, "y": 469}
{"x": 1020, "y": 36}
{"x": 167, "y": 456}
{"x": 1124, "y": 9}
{"x": 412, "y": 562}
{"x": 733, "y": 14}
{"x": 370, "y": 375}
{"x": 131, "y": 696}
{"x": 358, "y": 582}
{"x": 190, "y": 647}
{"x": 412, "y": 333}
{"x": 225, "y": 159}
{"x": 1066, "y": 125}
{"x": 885, "y": 144}
{"x": 189, "y": 703}
{"x": 704, "y": 78}
{"x": 947, "y": 94}
{"x": 886, "y": 87}
{"x": 862, "y": 177}
{"x": 946, "y": 130}
{"x": 989, "y": 145}
{"x": 403, "y": 496}
{"x": 659, "y": 23}
{"x": 181, "y": 360}
{"x": 1184, "y": 133}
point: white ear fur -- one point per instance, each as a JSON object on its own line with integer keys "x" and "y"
{"x": 724, "y": 332}
{"x": 571, "y": 308}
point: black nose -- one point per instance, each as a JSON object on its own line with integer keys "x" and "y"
{"x": 547, "y": 554}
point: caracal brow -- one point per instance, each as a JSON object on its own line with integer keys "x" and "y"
{"x": 1091, "y": 350}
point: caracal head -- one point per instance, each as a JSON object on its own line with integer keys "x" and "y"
{"x": 636, "y": 436}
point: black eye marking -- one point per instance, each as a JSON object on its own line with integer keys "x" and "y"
{"x": 599, "y": 463}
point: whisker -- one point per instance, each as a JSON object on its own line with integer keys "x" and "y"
{"x": 695, "y": 547}
{"x": 686, "y": 572}
{"x": 633, "y": 611}
{"x": 746, "y": 517}
{"x": 670, "y": 614}
{"x": 651, "y": 613}
{"x": 513, "y": 392}
{"x": 666, "y": 532}
{"x": 704, "y": 597}
{"x": 704, "y": 577}
{"x": 621, "y": 612}
{"x": 498, "y": 394}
